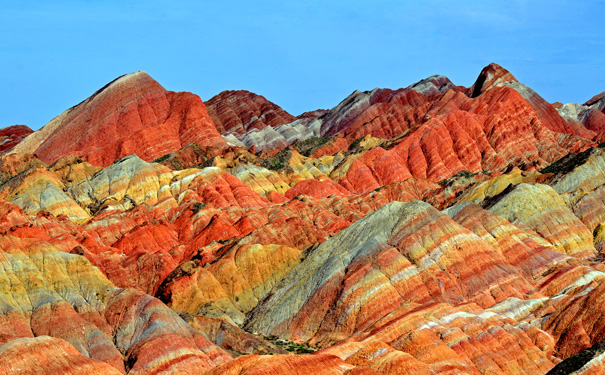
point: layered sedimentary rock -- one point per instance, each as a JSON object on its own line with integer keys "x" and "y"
{"x": 11, "y": 136}
{"x": 407, "y": 231}
{"x": 388, "y": 234}
{"x": 48, "y": 292}
{"x": 437, "y": 129}
{"x": 590, "y": 114}
{"x": 285, "y": 364}
{"x": 540, "y": 208}
{"x": 47, "y": 355}
{"x": 132, "y": 114}
{"x": 240, "y": 111}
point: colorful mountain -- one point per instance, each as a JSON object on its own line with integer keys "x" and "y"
{"x": 131, "y": 114}
{"x": 433, "y": 229}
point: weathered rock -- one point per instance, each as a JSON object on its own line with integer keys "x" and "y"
{"x": 47, "y": 355}
{"x": 316, "y": 233}
{"x": 393, "y": 255}
{"x": 240, "y": 111}
{"x": 132, "y": 114}
{"x": 11, "y": 136}
{"x": 47, "y": 292}
{"x": 321, "y": 364}
{"x": 540, "y": 208}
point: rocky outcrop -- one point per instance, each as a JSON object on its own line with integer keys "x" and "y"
{"x": 393, "y": 254}
{"x": 48, "y": 292}
{"x": 491, "y": 76}
{"x": 47, "y": 355}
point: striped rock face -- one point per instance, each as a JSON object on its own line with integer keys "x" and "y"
{"x": 240, "y": 111}
{"x": 94, "y": 326}
{"x": 410, "y": 231}
{"x": 132, "y": 114}
{"x": 11, "y": 136}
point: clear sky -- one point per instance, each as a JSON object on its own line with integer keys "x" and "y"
{"x": 302, "y": 55}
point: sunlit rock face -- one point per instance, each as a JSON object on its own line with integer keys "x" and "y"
{"x": 434, "y": 229}
{"x": 93, "y": 326}
{"x": 132, "y": 114}
{"x": 11, "y": 136}
{"x": 240, "y": 111}
{"x": 590, "y": 114}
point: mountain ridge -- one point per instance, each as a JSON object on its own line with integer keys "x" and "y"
{"x": 432, "y": 229}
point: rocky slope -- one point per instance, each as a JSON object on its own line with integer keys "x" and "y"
{"x": 590, "y": 114}
{"x": 434, "y": 229}
{"x": 240, "y": 111}
{"x": 11, "y": 136}
{"x": 132, "y": 114}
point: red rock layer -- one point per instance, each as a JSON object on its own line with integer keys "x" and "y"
{"x": 133, "y": 114}
{"x": 489, "y": 132}
{"x": 313, "y": 114}
{"x": 240, "y": 111}
{"x": 47, "y": 291}
{"x": 491, "y": 76}
{"x": 320, "y": 364}
{"x": 48, "y": 356}
{"x": 382, "y": 113}
{"x": 594, "y": 119}
{"x": 408, "y": 289}
{"x": 11, "y": 136}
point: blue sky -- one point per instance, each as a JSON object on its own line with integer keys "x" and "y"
{"x": 301, "y": 55}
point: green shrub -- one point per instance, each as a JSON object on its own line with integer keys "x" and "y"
{"x": 307, "y": 146}
{"x": 277, "y": 162}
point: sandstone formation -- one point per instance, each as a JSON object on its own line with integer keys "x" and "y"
{"x": 590, "y": 114}
{"x": 433, "y": 229}
{"x": 240, "y": 111}
{"x": 11, "y": 136}
{"x": 132, "y": 114}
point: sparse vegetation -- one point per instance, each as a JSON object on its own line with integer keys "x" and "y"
{"x": 307, "y": 146}
{"x": 176, "y": 165}
{"x": 465, "y": 174}
{"x": 277, "y": 162}
{"x": 356, "y": 145}
{"x": 461, "y": 174}
{"x": 206, "y": 163}
{"x": 568, "y": 163}
{"x": 161, "y": 158}
{"x": 577, "y": 361}
{"x": 9, "y": 179}
{"x": 198, "y": 206}
{"x": 290, "y": 346}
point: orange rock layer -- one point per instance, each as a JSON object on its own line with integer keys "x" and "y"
{"x": 409, "y": 231}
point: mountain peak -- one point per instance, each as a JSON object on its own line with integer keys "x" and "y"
{"x": 598, "y": 99}
{"x": 131, "y": 114}
{"x": 237, "y": 111}
{"x": 491, "y": 76}
{"x": 435, "y": 84}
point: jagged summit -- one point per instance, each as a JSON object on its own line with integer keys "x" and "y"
{"x": 10, "y": 136}
{"x": 597, "y": 101}
{"x": 491, "y": 76}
